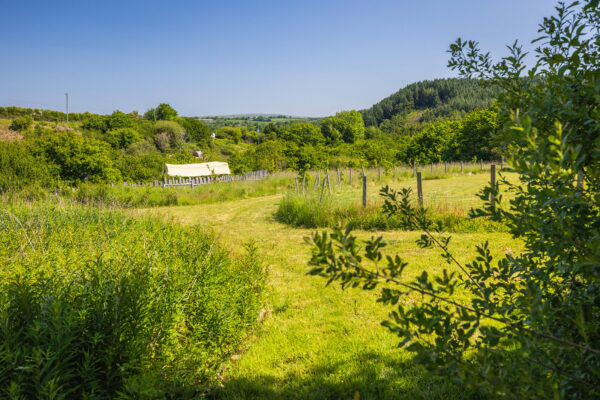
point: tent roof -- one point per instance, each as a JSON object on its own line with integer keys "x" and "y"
{"x": 200, "y": 169}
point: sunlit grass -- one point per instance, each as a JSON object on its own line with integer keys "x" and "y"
{"x": 322, "y": 342}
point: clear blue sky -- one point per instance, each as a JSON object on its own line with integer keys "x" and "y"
{"x": 309, "y": 57}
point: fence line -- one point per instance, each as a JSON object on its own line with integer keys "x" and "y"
{"x": 198, "y": 181}
{"x": 419, "y": 172}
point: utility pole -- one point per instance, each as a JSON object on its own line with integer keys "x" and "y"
{"x": 67, "y": 96}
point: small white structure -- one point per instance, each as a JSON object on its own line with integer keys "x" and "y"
{"x": 195, "y": 170}
{"x": 198, "y": 153}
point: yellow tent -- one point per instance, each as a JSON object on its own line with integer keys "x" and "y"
{"x": 200, "y": 169}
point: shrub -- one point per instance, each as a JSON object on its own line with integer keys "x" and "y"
{"x": 21, "y": 124}
{"x": 77, "y": 159}
{"x": 169, "y": 134}
{"x": 19, "y": 168}
{"x": 196, "y": 130}
{"x": 98, "y": 305}
{"x": 121, "y": 138}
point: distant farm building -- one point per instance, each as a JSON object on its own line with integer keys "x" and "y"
{"x": 198, "y": 153}
{"x": 196, "y": 170}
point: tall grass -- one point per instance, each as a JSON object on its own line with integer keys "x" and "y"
{"x": 310, "y": 211}
{"x": 97, "y": 305}
{"x": 120, "y": 196}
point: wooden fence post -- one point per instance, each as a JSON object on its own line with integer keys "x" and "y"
{"x": 461, "y": 167}
{"x": 322, "y": 190}
{"x": 304, "y": 182}
{"x": 493, "y": 184}
{"x": 379, "y": 172}
{"x": 296, "y": 178}
{"x": 445, "y": 167}
{"x": 339, "y": 176}
{"x": 328, "y": 182}
{"x": 364, "y": 185}
{"x": 414, "y": 168}
{"x": 419, "y": 189}
{"x": 431, "y": 168}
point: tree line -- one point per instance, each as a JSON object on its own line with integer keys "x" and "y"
{"x": 133, "y": 147}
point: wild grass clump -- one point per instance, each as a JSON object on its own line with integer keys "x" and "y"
{"x": 97, "y": 305}
{"x": 310, "y": 211}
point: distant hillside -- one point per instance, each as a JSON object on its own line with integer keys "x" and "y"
{"x": 427, "y": 100}
{"x": 253, "y": 121}
{"x": 252, "y": 115}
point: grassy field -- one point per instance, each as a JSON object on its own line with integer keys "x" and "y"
{"x": 321, "y": 342}
{"x": 447, "y": 200}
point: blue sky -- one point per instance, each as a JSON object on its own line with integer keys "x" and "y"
{"x": 310, "y": 58}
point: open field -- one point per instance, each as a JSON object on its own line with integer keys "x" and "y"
{"x": 320, "y": 342}
{"x": 447, "y": 198}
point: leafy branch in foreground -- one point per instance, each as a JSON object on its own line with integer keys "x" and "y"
{"x": 528, "y": 325}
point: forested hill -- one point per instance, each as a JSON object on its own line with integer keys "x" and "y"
{"x": 428, "y": 100}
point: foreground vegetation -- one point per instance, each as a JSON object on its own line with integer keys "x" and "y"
{"x": 319, "y": 342}
{"x": 528, "y": 325}
{"x": 94, "y": 304}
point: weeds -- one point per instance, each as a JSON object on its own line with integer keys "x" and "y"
{"x": 95, "y": 304}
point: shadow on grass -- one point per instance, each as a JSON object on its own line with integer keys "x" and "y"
{"x": 366, "y": 376}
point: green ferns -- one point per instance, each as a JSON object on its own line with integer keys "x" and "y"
{"x": 97, "y": 305}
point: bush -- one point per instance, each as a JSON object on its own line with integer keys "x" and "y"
{"x": 19, "y": 168}
{"x": 196, "y": 130}
{"x": 98, "y": 305}
{"x": 122, "y": 138}
{"x": 76, "y": 158}
{"x": 169, "y": 134}
{"x": 21, "y": 124}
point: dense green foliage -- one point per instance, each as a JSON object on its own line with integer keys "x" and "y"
{"x": 97, "y": 305}
{"x": 21, "y": 124}
{"x": 126, "y": 147}
{"x": 429, "y": 100}
{"x": 39, "y": 114}
{"x": 530, "y": 327}
{"x": 19, "y": 168}
{"x": 162, "y": 112}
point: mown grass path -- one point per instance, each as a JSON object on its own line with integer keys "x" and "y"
{"x": 321, "y": 342}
